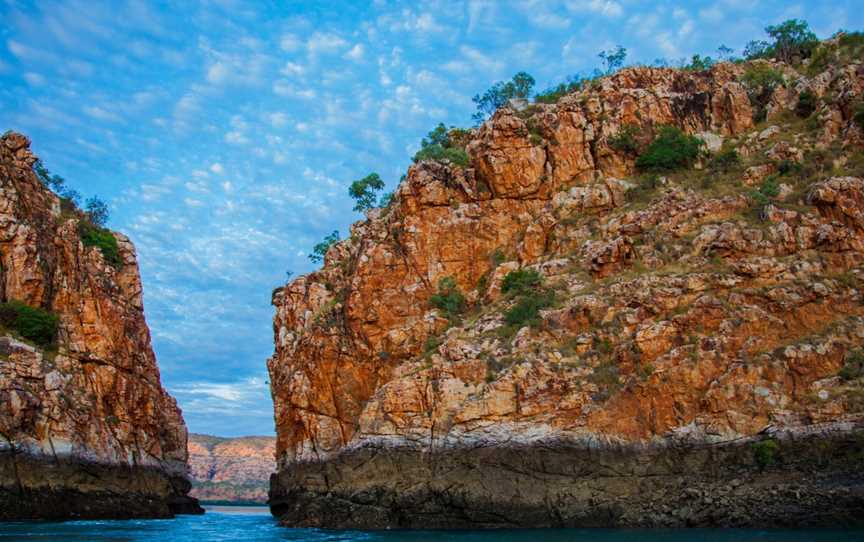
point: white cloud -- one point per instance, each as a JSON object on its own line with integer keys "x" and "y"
{"x": 217, "y": 168}
{"x": 34, "y": 79}
{"x": 217, "y": 73}
{"x": 607, "y": 8}
{"x": 356, "y": 53}
{"x": 292, "y": 68}
{"x": 99, "y": 113}
{"x": 278, "y": 120}
{"x": 236, "y": 138}
{"x": 290, "y": 43}
{"x": 713, "y": 14}
{"x": 283, "y": 87}
{"x": 324, "y": 43}
{"x": 191, "y": 202}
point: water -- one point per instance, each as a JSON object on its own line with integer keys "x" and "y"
{"x": 254, "y": 524}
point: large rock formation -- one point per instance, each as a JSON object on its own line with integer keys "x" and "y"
{"x": 87, "y": 429}
{"x": 683, "y": 368}
{"x": 233, "y": 470}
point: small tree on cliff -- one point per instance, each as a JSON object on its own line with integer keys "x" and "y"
{"x": 792, "y": 37}
{"x": 364, "y": 191}
{"x": 320, "y": 249}
{"x": 521, "y": 86}
{"x": 614, "y": 58}
{"x": 97, "y": 211}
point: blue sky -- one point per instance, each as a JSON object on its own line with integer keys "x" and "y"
{"x": 224, "y": 133}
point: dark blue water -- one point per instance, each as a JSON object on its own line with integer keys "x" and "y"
{"x": 231, "y": 524}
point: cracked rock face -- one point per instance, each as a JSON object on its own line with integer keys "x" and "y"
{"x": 96, "y": 397}
{"x": 684, "y": 317}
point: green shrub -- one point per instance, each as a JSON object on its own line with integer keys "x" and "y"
{"x": 760, "y": 80}
{"x": 765, "y": 452}
{"x": 364, "y": 192}
{"x": 724, "y": 160}
{"x": 521, "y": 281}
{"x": 94, "y": 236}
{"x": 858, "y": 115}
{"x": 854, "y": 366}
{"x": 806, "y": 104}
{"x": 35, "y": 324}
{"x": 625, "y": 139}
{"x": 672, "y": 149}
{"x": 449, "y": 299}
{"x": 320, "y": 249}
{"x": 699, "y": 63}
{"x": 501, "y": 93}
{"x": 552, "y": 94}
{"x": 443, "y": 145}
{"x": 527, "y": 309}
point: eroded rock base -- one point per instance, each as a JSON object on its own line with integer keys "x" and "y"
{"x": 42, "y": 488}
{"x": 803, "y": 482}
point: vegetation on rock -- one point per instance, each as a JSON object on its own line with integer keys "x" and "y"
{"x": 101, "y": 238}
{"x": 320, "y": 249}
{"x": 443, "y": 145}
{"x": 32, "y": 323}
{"x": 520, "y": 87}
{"x": 364, "y": 192}
{"x": 672, "y": 149}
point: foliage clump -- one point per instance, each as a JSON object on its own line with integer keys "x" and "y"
{"x": 699, "y": 63}
{"x": 613, "y": 58}
{"x": 858, "y": 115}
{"x": 449, "y": 299}
{"x": 33, "y": 323}
{"x": 806, "y": 104}
{"x": 760, "y": 80}
{"x": 765, "y": 452}
{"x": 520, "y": 86}
{"x": 724, "y": 161}
{"x": 671, "y": 150}
{"x": 625, "y": 139}
{"x": 320, "y": 249}
{"x": 791, "y": 38}
{"x": 552, "y": 94}
{"x": 521, "y": 281}
{"x": 526, "y": 285}
{"x": 364, "y": 192}
{"x": 854, "y": 366}
{"x": 442, "y": 145}
{"x": 93, "y": 235}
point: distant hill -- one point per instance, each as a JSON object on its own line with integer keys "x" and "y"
{"x": 231, "y": 469}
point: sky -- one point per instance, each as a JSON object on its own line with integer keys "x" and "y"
{"x": 224, "y": 133}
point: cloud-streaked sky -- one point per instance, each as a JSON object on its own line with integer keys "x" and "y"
{"x": 224, "y": 133}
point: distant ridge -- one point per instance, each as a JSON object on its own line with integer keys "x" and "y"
{"x": 231, "y": 470}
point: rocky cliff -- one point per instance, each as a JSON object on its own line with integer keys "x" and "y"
{"x": 667, "y": 349}
{"x": 231, "y": 469}
{"x": 87, "y": 429}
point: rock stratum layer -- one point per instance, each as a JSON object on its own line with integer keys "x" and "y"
{"x": 696, "y": 366}
{"x": 87, "y": 429}
{"x": 231, "y": 469}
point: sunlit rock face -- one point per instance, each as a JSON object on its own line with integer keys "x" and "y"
{"x": 687, "y": 326}
{"x": 92, "y": 403}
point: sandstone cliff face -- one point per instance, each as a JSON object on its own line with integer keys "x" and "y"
{"x": 95, "y": 398}
{"x": 231, "y": 469}
{"x": 683, "y": 313}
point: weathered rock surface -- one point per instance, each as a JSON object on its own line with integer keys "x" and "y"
{"x": 87, "y": 429}
{"x": 687, "y": 326}
{"x": 231, "y": 469}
